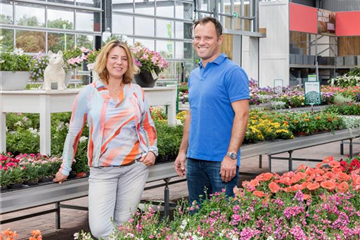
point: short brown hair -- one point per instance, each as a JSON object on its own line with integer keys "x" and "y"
{"x": 101, "y": 60}
{"x": 205, "y": 20}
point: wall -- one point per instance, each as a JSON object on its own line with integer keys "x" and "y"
{"x": 274, "y": 48}
{"x": 338, "y": 6}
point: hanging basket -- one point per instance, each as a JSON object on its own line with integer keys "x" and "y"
{"x": 145, "y": 79}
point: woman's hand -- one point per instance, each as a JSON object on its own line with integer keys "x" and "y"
{"x": 148, "y": 159}
{"x": 60, "y": 178}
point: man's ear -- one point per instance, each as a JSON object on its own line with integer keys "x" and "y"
{"x": 220, "y": 39}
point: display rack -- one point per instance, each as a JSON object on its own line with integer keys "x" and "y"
{"x": 56, "y": 193}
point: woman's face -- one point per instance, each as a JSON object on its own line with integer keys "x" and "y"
{"x": 117, "y": 63}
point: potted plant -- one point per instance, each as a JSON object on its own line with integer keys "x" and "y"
{"x": 4, "y": 179}
{"x": 14, "y": 69}
{"x": 151, "y": 63}
{"x": 16, "y": 177}
{"x": 73, "y": 59}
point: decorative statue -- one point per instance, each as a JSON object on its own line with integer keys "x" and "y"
{"x": 54, "y": 72}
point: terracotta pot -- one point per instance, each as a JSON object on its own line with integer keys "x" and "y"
{"x": 301, "y": 134}
{"x": 81, "y": 174}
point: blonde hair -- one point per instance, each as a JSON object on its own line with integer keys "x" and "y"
{"x": 101, "y": 60}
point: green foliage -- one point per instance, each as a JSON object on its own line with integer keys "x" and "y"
{"x": 169, "y": 140}
{"x": 345, "y": 109}
{"x": 341, "y": 99}
{"x": 14, "y": 60}
{"x": 4, "y": 178}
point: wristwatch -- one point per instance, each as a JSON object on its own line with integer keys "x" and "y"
{"x": 232, "y": 155}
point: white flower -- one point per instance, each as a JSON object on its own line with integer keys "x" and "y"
{"x": 60, "y": 126}
{"x": 270, "y": 238}
{"x": 18, "y": 51}
{"x": 34, "y": 131}
{"x": 83, "y": 139}
{"x": 18, "y": 123}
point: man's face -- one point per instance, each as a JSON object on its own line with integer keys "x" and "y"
{"x": 206, "y": 43}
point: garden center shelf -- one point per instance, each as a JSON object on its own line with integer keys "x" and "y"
{"x": 56, "y": 193}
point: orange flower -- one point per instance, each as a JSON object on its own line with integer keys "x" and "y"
{"x": 328, "y": 159}
{"x": 319, "y": 179}
{"x": 264, "y": 177}
{"x": 343, "y": 176}
{"x": 329, "y": 175}
{"x": 259, "y": 193}
{"x": 296, "y": 187}
{"x": 329, "y": 185}
{"x": 337, "y": 170}
{"x": 306, "y": 120}
{"x": 274, "y": 187}
{"x": 295, "y": 179}
{"x": 343, "y": 187}
{"x": 286, "y": 123}
{"x": 285, "y": 180}
{"x": 267, "y": 176}
{"x": 253, "y": 183}
{"x": 318, "y": 171}
{"x": 301, "y": 175}
{"x": 334, "y": 164}
{"x": 301, "y": 167}
{"x": 313, "y": 186}
{"x": 304, "y": 185}
{"x": 287, "y": 189}
{"x": 306, "y": 196}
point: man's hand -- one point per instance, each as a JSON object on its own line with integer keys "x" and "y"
{"x": 148, "y": 159}
{"x": 180, "y": 164}
{"x": 228, "y": 169}
{"x": 59, "y": 177}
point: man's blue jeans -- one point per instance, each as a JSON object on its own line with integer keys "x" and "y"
{"x": 203, "y": 179}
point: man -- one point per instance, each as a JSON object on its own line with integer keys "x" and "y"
{"x": 215, "y": 125}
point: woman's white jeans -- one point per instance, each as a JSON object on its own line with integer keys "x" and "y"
{"x": 114, "y": 193}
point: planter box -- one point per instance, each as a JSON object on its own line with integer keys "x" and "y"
{"x": 349, "y": 60}
{"x": 339, "y": 61}
{"x": 13, "y": 81}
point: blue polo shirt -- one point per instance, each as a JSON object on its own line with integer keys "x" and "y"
{"x": 211, "y": 92}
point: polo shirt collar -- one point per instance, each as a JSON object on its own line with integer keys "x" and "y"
{"x": 217, "y": 61}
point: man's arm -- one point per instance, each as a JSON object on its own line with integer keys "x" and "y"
{"x": 228, "y": 166}
{"x": 181, "y": 157}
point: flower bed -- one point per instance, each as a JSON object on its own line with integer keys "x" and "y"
{"x": 26, "y": 169}
{"x": 310, "y": 203}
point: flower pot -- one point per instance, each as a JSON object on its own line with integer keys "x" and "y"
{"x": 16, "y": 185}
{"x": 32, "y": 182}
{"x": 13, "y": 81}
{"x": 145, "y": 79}
{"x": 54, "y": 85}
{"x": 301, "y": 134}
{"x": 81, "y": 174}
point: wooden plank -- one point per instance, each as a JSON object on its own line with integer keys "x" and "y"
{"x": 349, "y": 46}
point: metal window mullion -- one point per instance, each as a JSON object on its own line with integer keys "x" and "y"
{"x": 160, "y": 38}
{"x": 67, "y": 6}
{"x": 54, "y": 30}
{"x": 14, "y": 32}
{"x": 231, "y": 12}
{"x": 155, "y": 24}
{"x": 152, "y": 17}
{"x": 242, "y": 21}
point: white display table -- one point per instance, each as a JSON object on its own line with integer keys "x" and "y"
{"x": 45, "y": 103}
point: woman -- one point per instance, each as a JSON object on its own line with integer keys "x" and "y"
{"x": 122, "y": 139}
